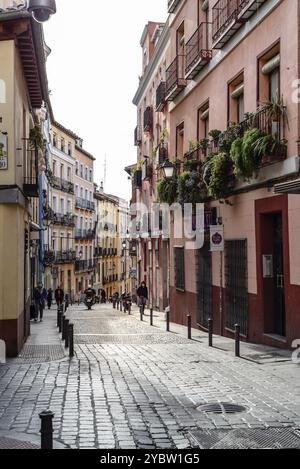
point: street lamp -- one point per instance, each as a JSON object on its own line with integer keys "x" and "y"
{"x": 168, "y": 169}
{"x": 41, "y": 10}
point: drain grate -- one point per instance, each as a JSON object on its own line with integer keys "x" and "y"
{"x": 222, "y": 408}
{"x": 269, "y": 438}
{"x": 39, "y": 354}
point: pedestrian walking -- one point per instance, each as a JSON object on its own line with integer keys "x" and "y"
{"x": 49, "y": 298}
{"x": 39, "y": 296}
{"x": 59, "y": 296}
{"x": 142, "y": 293}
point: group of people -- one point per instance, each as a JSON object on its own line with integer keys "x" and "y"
{"x": 41, "y": 296}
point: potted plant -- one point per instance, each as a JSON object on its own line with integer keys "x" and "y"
{"x": 246, "y": 160}
{"x": 269, "y": 149}
{"x": 191, "y": 188}
{"x": 167, "y": 190}
{"x": 36, "y": 138}
{"x": 218, "y": 176}
{"x": 215, "y": 135}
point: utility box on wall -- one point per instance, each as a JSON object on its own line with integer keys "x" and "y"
{"x": 268, "y": 271}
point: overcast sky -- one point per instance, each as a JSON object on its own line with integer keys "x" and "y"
{"x": 93, "y": 75}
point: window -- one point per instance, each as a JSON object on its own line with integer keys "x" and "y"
{"x": 54, "y": 206}
{"x": 179, "y": 268}
{"x": 62, "y": 171}
{"x": 269, "y": 75}
{"x": 62, "y": 145}
{"x": 274, "y": 84}
{"x": 69, "y": 174}
{"x": 54, "y": 168}
{"x": 180, "y": 141}
{"x": 236, "y": 110}
{"x": 77, "y": 168}
{"x": 69, "y": 149}
{"x": 91, "y": 175}
{"x": 86, "y": 173}
{"x": 203, "y": 121}
{"x": 54, "y": 140}
{"x": 81, "y": 170}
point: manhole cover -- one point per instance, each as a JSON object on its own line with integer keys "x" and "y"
{"x": 222, "y": 408}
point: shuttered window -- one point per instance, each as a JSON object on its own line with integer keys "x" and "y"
{"x": 179, "y": 268}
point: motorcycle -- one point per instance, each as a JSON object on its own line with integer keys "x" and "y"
{"x": 89, "y": 303}
{"x": 127, "y": 303}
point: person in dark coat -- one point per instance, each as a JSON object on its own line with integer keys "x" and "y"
{"x": 142, "y": 293}
{"x": 39, "y": 296}
{"x": 59, "y": 296}
{"x": 49, "y": 298}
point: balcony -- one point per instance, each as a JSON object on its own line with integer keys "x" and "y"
{"x": 85, "y": 235}
{"x": 197, "y": 52}
{"x": 175, "y": 81}
{"x": 31, "y": 187}
{"x": 172, "y": 5}
{"x": 137, "y": 179}
{"x": 84, "y": 204}
{"x": 58, "y": 257}
{"x": 84, "y": 266}
{"x": 161, "y": 97}
{"x": 138, "y": 136}
{"x": 228, "y": 16}
{"x": 61, "y": 184}
{"x": 63, "y": 220}
{"x": 148, "y": 119}
{"x": 98, "y": 252}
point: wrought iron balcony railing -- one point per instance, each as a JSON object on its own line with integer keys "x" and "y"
{"x": 138, "y": 138}
{"x": 175, "y": 78}
{"x": 61, "y": 184}
{"x": 63, "y": 219}
{"x": 85, "y": 204}
{"x": 59, "y": 257}
{"x": 228, "y": 16}
{"x": 84, "y": 234}
{"x": 148, "y": 119}
{"x": 84, "y": 265}
{"x": 197, "y": 52}
{"x": 161, "y": 96}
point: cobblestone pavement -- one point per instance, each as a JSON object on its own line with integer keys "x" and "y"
{"x": 135, "y": 386}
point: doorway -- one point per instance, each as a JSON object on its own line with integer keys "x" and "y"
{"x": 279, "y": 291}
{"x": 204, "y": 286}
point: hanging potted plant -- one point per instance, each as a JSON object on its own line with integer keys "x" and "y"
{"x": 36, "y": 138}
{"x": 191, "y": 188}
{"x": 246, "y": 160}
{"x": 167, "y": 190}
{"x": 218, "y": 176}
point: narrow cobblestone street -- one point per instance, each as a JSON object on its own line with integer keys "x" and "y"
{"x": 135, "y": 386}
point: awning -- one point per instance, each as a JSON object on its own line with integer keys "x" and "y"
{"x": 238, "y": 91}
{"x": 271, "y": 65}
{"x": 291, "y": 187}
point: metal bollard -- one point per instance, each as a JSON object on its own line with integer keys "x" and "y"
{"x": 46, "y": 429}
{"x": 237, "y": 340}
{"x": 151, "y": 317}
{"x": 189, "y": 326}
{"x": 121, "y": 306}
{"x": 71, "y": 340}
{"x": 67, "y": 333}
{"x": 210, "y": 332}
{"x": 60, "y": 320}
{"x": 129, "y": 309}
{"x": 58, "y": 317}
{"x": 141, "y": 313}
{"x": 63, "y": 335}
{"x": 168, "y": 319}
{"x": 118, "y": 305}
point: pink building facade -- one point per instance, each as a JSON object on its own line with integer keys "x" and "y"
{"x": 237, "y": 61}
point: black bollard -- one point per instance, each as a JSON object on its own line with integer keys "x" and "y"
{"x": 46, "y": 429}
{"x": 58, "y": 317}
{"x": 71, "y": 340}
{"x": 63, "y": 332}
{"x": 237, "y": 340}
{"x": 151, "y": 316}
{"x": 121, "y": 306}
{"x": 168, "y": 320}
{"x": 67, "y": 333}
{"x": 60, "y": 320}
{"x": 210, "y": 332}
{"x": 141, "y": 313}
{"x": 189, "y": 326}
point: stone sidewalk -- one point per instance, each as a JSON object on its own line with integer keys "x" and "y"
{"x": 135, "y": 386}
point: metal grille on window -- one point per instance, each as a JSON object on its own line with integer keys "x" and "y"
{"x": 236, "y": 284}
{"x": 179, "y": 268}
{"x": 204, "y": 286}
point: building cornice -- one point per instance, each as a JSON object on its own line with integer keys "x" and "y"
{"x": 161, "y": 45}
